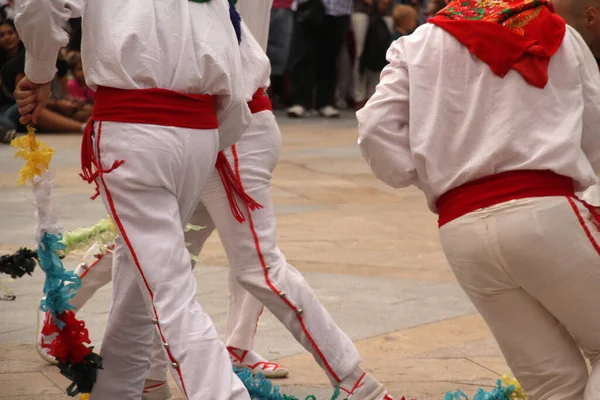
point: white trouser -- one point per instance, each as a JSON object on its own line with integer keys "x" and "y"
{"x": 257, "y": 268}
{"x": 532, "y": 269}
{"x": 244, "y": 309}
{"x": 151, "y": 198}
{"x": 360, "y": 25}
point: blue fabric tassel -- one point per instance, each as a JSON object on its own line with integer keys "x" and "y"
{"x": 236, "y": 20}
{"x": 60, "y": 285}
{"x": 498, "y": 393}
{"x": 260, "y": 388}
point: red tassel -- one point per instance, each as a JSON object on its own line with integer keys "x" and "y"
{"x": 69, "y": 344}
{"x": 233, "y": 187}
{"x": 89, "y": 161}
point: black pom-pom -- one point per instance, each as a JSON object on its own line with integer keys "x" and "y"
{"x": 18, "y": 264}
{"x": 83, "y": 375}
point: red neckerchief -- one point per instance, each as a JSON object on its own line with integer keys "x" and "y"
{"x": 507, "y": 34}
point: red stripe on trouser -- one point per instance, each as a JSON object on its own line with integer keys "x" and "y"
{"x": 125, "y": 237}
{"x": 268, "y": 281}
{"x": 584, "y": 225}
{"x": 98, "y": 259}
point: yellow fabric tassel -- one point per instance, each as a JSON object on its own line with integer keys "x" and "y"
{"x": 519, "y": 393}
{"x": 84, "y": 396}
{"x": 37, "y": 155}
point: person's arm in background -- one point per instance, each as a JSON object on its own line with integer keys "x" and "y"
{"x": 40, "y": 27}
{"x": 383, "y": 125}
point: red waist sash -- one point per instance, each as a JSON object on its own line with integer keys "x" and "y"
{"x": 158, "y": 107}
{"x": 260, "y": 102}
{"x": 499, "y": 188}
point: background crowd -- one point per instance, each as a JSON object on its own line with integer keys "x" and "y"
{"x": 325, "y": 55}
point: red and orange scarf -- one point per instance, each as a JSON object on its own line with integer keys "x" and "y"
{"x": 507, "y": 34}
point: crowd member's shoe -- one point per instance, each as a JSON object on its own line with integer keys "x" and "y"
{"x": 329, "y": 112}
{"x": 157, "y": 392}
{"x": 363, "y": 388}
{"x": 296, "y": 111}
{"x": 42, "y": 319}
{"x": 7, "y": 135}
{"x": 256, "y": 364}
{"x": 341, "y": 104}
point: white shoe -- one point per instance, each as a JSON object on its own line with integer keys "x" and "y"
{"x": 42, "y": 317}
{"x": 296, "y": 111}
{"x": 159, "y": 392}
{"x": 256, "y": 364}
{"x": 329, "y": 112}
{"x": 363, "y": 388}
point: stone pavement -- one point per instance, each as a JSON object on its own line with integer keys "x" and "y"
{"x": 371, "y": 254}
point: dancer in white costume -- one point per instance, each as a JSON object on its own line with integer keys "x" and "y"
{"x": 496, "y": 119}
{"x": 168, "y": 96}
{"x": 244, "y": 309}
{"x": 258, "y": 269}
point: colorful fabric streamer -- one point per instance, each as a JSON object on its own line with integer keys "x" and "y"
{"x": 508, "y": 388}
{"x": 102, "y": 234}
{"x": 76, "y": 361}
{"x": 37, "y": 156}
{"x": 260, "y": 388}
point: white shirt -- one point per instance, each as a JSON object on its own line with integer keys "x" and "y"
{"x": 440, "y": 118}
{"x": 257, "y": 15}
{"x": 257, "y": 67}
{"x": 136, "y": 44}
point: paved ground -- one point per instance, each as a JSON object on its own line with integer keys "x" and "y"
{"x": 371, "y": 253}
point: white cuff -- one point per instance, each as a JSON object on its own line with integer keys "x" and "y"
{"x": 38, "y": 71}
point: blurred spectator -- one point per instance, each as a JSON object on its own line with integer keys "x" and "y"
{"x": 319, "y": 33}
{"x": 61, "y": 100}
{"x": 405, "y": 21}
{"x": 10, "y": 47}
{"x": 74, "y": 45}
{"x": 10, "y": 44}
{"x": 360, "y": 25}
{"x": 435, "y": 6}
{"x": 77, "y": 86}
{"x": 13, "y": 70}
{"x": 7, "y": 9}
{"x": 278, "y": 48}
{"x": 378, "y": 40}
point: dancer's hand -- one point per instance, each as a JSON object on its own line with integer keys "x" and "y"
{"x": 31, "y": 98}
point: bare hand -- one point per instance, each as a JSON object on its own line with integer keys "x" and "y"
{"x": 31, "y": 98}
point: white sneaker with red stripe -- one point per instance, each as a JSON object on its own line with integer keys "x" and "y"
{"x": 363, "y": 388}
{"x": 256, "y": 364}
{"x": 157, "y": 392}
{"x": 42, "y": 317}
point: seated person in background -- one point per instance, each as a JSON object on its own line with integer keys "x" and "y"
{"x": 60, "y": 115}
{"x": 405, "y": 20}
{"x": 61, "y": 100}
{"x": 10, "y": 47}
{"x": 77, "y": 87}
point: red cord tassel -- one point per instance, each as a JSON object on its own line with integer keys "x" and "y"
{"x": 233, "y": 187}
{"x": 90, "y": 166}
